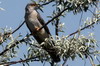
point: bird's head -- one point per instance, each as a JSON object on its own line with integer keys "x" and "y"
{"x": 31, "y": 6}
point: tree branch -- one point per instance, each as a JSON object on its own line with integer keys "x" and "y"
{"x": 16, "y": 43}
{"x": 91, "y": 61}
{"x": 56, "y": 27}
{"x": 64, "y": 62}
{"x": 59, "y": 14}
{"x": 18, "y": 27}
{"x": 13, "y": 45}
{"x": 81, "y": 29}
{"x": 20, "y": 61}
{"x": 47, "y": 3}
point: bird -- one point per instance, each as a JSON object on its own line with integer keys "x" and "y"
{"x": 34, "y": 22}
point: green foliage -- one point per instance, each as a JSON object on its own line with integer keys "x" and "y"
{"x": 98, "y": 65}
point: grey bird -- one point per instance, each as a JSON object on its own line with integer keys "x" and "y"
{"x": 34, "y": 22}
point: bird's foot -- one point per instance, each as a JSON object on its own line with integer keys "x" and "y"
{"x": 37, "y": 28}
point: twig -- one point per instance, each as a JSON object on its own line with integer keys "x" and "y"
{"x": 81, "y": 29}
{"x": 98, "y": 60}
{"x": 64, "y": 62}
{"x": 52, "y": 63}
{"x": 47, "y": 3}
{"x": 57, "y": 20}
{"x": 18, "y": 27}
{"x": 84, "y": 62}
{"x": 91, "y": 12}
{"x": 91, "y": 61}
{"x": 20, "y": 61}
{"x": 59, "y": 14}
{"x": 56, "y": 26}
{"x": 13, "y": 45}
{"x": 14, "y": 30}
{"x": 16, "y": 43}
{"x": 44, "y": 63}
{"x": 80, "y": 18}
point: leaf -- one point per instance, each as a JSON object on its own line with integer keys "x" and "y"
{"x": 98, "y": 65}
{"x": 2, "y": 9}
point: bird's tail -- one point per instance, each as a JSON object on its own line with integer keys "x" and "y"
{"x": 53, "y": 52}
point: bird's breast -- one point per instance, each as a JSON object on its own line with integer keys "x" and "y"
{"x": 34, "y": 26}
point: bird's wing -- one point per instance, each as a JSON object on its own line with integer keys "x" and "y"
{"x": 43, "y": 23}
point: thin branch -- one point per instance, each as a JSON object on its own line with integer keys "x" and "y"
{"x": 59, "y": 14}
{"x": 16, "y": 43}
{"x": 52, "y": 63}
{"x": 81, "y": 29}
{"x": 98, "y": 60}
{"x": 13, "y": 45}
{"x": 15, "y": 29}
{"x": 91, "y": 12}
{"x": 91, "y": 61}
{"x": 80, "y": 18}
{"x": 47, "y": 3}
{"x": 56, "y": 26}
{"x": 57, "y": 21}
{"x": 20, "y": 61}
{"x": 84, "y": 62}
{"x": 64, "y": 62}
{"x": 18, "y": 27}
{"x": 44, "y": 63}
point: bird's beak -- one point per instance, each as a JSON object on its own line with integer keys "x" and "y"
{"x": 39, "y": 7}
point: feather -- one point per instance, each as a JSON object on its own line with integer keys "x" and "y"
{"x": 43, "y": 23}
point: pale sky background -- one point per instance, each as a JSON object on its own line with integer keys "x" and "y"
{"x": 13, "y": 16}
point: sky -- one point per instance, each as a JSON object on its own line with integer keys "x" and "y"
{"x": 13, "y": 16}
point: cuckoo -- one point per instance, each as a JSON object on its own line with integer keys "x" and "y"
{"x": 34, "y": 22}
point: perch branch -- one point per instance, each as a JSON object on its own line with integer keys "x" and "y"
{"x": 18, "y": 27}
{"x": 20, "y": 61}
{"x": 13, "y": 45}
